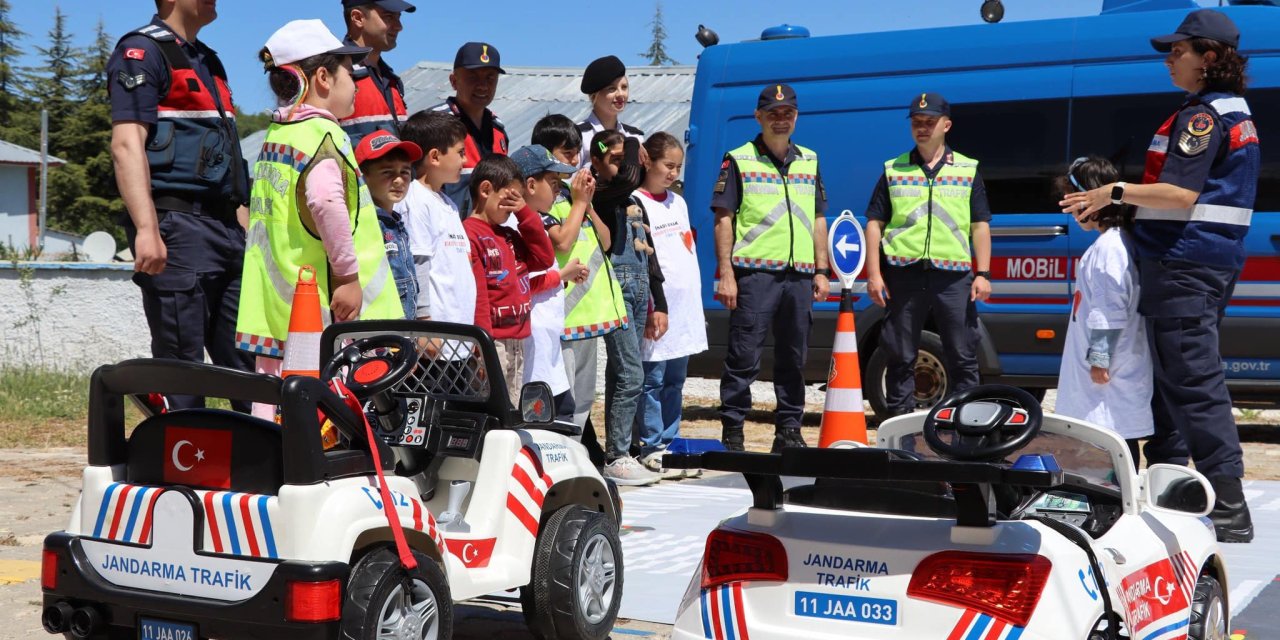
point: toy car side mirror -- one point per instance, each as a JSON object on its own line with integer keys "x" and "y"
{"x": 1178, "y": 489}
{"x": 537, "y": 405}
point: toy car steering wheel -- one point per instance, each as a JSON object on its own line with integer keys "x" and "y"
{"x": 983, "y": 423}
{"x": 372, "y": 373}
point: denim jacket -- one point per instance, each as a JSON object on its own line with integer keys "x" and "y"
{"x": 396, "y": 239}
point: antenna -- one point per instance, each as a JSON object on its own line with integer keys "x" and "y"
{"x": 100, "y": 246}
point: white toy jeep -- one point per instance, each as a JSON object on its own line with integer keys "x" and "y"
{"x": 206, "y": 523}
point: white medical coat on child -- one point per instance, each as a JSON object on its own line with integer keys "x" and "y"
{"x": 1106, "y": 297}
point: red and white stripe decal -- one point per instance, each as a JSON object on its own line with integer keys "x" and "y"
{"x": 980, "y": 626}
{"x": 240, "y": 523}
{"x": 1187, "y": 573}
{"x": 724, "y": 617}
{"x": 528, "y": 491}
{"x": 124, "y": 513}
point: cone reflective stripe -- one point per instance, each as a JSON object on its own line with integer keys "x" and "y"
{"x": 302, "y": 348}
{"x": 843, "y": 417}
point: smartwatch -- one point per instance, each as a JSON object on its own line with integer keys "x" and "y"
{"x": 1117, "y": 193}
{"x": 984, "y": 274}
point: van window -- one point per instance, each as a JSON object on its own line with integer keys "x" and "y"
{"x": 1020, "y": 147}
{"x": 1120, "y": 128}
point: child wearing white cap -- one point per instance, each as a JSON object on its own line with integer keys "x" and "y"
{"x": 309, "y": 204}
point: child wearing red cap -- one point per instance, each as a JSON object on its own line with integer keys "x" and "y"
{"x": 387, "y": 164}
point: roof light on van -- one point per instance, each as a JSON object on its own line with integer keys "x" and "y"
{"x": 784, "y": 32}
{"x": 992, "y": 11}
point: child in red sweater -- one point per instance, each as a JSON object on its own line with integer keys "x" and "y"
{"x": 502, "y": 258}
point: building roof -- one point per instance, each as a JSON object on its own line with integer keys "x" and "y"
{"x": 660, "y": 98}
{"x": 13, "y": 154}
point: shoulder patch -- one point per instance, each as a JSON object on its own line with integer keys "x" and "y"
{"x": 1200, "y": 124}
{"x": 130, "y": 81}
{"x": 1192, "y": 145}
{"x": 135, "y": 54}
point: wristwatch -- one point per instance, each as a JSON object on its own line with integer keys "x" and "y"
{"x": 984, "y": 274}
{"x": 1117, "y": 193}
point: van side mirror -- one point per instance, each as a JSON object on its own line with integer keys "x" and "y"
{"x": 1179, "y": 489}
{"x": 537, "y": 405}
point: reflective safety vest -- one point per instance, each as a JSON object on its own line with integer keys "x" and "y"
{"x": 1212, "y": 230}
{"x": 595, "y": 307}
{"x": 375, "y": 109}
{"x": 773, "y": 230}
{"x": 930, "y": 219}
{"x": 283, "y": 235}
{"x": 193, "y": 150}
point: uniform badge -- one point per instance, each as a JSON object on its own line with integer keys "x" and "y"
{"x": 131, "y": 82}
{"x": 135, "y": 54}
{"x": 1191, "y": 145}
{"x": 1200, "y": 124}
{"x": 723, "y": 178}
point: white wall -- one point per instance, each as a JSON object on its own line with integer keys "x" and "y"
{"x": 14, "y": 206}
{"x": 88, "y": 315}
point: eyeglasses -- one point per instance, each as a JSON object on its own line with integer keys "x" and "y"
{"x": 1075, "y": 164}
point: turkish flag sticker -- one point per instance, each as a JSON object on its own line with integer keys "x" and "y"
{"x": 197, "y": 457}
{"x": 474, "y": 554}
{"x": 135, "y": 54}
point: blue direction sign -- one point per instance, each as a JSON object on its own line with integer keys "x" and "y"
{"x": 847, "y": 248}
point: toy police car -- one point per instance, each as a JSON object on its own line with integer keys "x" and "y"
{"x": 208, "y": 523}
{"x": 934, "y": 535}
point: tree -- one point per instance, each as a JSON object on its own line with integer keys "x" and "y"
{"x": 10, "y": 87}
{"x": 657, "y": 53}
{"x": 53, "y": 85}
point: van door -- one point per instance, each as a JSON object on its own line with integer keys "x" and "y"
{"x": 1021, "y": 147}
{"x": 1119, "y": 127}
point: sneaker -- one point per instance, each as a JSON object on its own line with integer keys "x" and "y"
{"x": 628, "y": 472}
{"x": 789, "y": 437}
{"x": 653, "y": 462}
{"x": 732, "y": 439}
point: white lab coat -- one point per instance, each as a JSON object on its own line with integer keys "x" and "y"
{"x": 1106, "y": 297}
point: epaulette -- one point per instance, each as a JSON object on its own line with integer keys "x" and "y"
{"x": 635, "y": 131}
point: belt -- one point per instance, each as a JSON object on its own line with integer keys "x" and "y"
{"x": 219, "y": 209}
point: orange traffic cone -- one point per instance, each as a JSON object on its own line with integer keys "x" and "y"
{"x": 843, "y": 418}
{"x": 302, "y": 348}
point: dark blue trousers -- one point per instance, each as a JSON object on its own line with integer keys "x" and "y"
{"x": 192, "y": 305}
{"x": 1183, "y": 303}
{"x": 777, "y": 301}
{"x": 916, "y": 291}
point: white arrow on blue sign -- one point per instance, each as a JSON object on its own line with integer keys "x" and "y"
{"x": 847, "y": 248}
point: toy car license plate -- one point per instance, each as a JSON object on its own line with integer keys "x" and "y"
{"x": 849, "y": 608}
{"x": 153, "y": 629}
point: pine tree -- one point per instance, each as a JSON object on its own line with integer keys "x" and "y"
{"x": 657, "y": 53}
{"x": 10, "y": 87}
{"x": 53, "y": 85}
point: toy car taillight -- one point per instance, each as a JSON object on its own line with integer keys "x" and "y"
{"x": 1006, "y": 586}
{"x": 733, "y": 555}
{"x": 49, "y": 569}
{"x": 313, "y": 601}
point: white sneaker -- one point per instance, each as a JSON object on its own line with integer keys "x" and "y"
{"x": 653, "y": 462}
{"x": 628, "y": 472}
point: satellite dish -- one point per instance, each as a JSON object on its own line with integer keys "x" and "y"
{"x": 99, "y": 246}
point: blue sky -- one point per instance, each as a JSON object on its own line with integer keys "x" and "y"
{"x": 557, "y": 34}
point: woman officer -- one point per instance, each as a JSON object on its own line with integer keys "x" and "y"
{"x": 1193, "y": 211}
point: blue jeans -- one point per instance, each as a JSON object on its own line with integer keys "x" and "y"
{"x": 624, "y": 371}
{"x": 659, "y": 419}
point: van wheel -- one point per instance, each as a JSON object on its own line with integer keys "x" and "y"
{"x": 1208, "y": 611}
{"x": 577, "y": 577}
{"x": 932, "y": 384}
{"x": 380, "y": 607}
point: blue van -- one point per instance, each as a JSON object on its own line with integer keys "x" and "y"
{"x": 1027, "y": 98}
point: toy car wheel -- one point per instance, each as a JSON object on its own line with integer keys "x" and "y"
{"x": 380, "y": 607}
{"x": 577, "y": 577}
{"x": 932, "y": 384}
{"x": 1208, "y": 611}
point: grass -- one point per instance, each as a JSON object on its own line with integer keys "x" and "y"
{"x": 42, "y": 408}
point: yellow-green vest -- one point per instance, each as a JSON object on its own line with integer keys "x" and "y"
{"x": 283, "y": 236}
{"x": 773, "y": 230}
{"x": 595, "y": 307}
{"x": 930, "y": 219}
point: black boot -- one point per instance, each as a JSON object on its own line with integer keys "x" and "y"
{"x": 789, "y": 437}
{"x": 1230, "y": 513}
{"x": 732, "y": 438}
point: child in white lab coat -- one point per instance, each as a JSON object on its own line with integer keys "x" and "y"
{"x": 1106, "y": 376}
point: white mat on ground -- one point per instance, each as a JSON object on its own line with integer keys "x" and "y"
{"x": 666, "y": 528}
